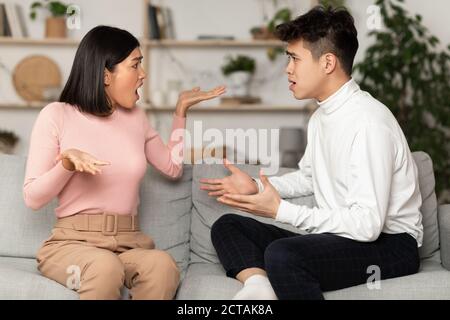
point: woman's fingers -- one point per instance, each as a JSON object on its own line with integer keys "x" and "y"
{"x": 101, "y": 163}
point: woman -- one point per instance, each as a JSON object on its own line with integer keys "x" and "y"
{"x": 91, "y": 150}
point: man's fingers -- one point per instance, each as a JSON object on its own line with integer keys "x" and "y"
{"x": 216, "y": 193}
{"x": 211, "y": 181}
{"x": 264, "y": 179}
{"x": 241, "y": 198}
{"x": 215, "y": 187}
{"x": 232, "y": 203}
{"x": 227, "y": 164}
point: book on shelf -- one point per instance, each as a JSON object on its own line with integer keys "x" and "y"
{"x": 160, "y": 22}
{"x": 12, "y": 21}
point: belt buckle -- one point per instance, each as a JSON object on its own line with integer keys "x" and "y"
{"x": 105, "y": 224}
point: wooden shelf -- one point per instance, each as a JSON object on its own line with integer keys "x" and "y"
{"x": 23, "y": 106}
{"x": 237, "y": 108}
{"x": 148, "y": 43}
{"x": 38, "y": 42}
{"x": 211, "y": 43}
{"x": 148, "y": 109}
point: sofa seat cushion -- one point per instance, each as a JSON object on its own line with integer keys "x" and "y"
{"x": 20, "y": 279}
{"x": 208, "y": 281}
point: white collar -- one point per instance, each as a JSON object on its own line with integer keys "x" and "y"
{"x": 338, "y": 98}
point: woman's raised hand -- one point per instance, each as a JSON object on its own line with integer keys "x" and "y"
{"x": 188, "y": 98}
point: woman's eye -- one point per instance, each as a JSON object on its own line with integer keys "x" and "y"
{"x": 135, "y": 66}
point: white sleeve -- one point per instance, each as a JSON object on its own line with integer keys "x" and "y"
{"x": 371, "y": 168}
{"x": 293, "y": 184}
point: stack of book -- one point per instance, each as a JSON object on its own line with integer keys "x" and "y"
{"x": 160, "y": 23}
{"x": 12, "y": 21}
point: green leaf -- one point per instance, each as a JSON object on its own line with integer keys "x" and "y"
{"x": 35, "y": 5}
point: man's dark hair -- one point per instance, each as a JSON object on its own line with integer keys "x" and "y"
{"x": 102, "y": 47}
{"x": 324, "y": 30}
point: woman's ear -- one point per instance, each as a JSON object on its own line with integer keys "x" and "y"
{"x": 107, "y": 77}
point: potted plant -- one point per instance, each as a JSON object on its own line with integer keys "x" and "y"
{"x": 406, "y": 70}
{"x": 239, "y": 71}
{"x": 55, "y": 25}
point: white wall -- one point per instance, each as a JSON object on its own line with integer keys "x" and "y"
{"x": 202, "y": 66}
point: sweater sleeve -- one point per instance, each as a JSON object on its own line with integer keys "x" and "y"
{"x": 168, "y": 159}
{"x": 44, "y": 178}
{"x": 372, "y": 163}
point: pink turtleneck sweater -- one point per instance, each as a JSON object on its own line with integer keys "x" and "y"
{"x": 125, "y": 139}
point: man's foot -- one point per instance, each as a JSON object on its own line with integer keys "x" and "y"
{"x": 256, "y": 287}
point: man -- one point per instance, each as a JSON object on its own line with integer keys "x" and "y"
{"x": 358, "y": 165}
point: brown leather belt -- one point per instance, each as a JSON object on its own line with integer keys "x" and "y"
{"x": 107, "y": 223}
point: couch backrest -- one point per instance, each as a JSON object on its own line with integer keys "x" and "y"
{"x": 429, "y": 205}
{"x": 206, "y": 210}
{"x": 164, "y": 212}
{"x": 22, "y": 230}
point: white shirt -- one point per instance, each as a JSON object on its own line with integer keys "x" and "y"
{"x": 358, "y": 165}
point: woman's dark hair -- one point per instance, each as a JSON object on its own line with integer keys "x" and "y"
{"x": 324, "y": 30}
{"x": 102, "y": 47}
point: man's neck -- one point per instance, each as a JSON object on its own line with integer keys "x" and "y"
{"x": 331, "y": 87}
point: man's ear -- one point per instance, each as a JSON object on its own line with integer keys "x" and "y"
{"x": 329, "y": 62}
{"x": 107, "y": 77}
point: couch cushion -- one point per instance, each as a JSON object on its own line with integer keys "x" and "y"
{"x": 206, "y": 210}
{"x": 20, "y": 279}
{"x": 208, "y": 281}
{"x": 428, "y": 209}
{"x": 164, "y": 212}
{"x": 22, "y": 230}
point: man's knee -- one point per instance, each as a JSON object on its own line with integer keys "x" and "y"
{"x": 282, "y": 253}
{"x": 223, "y": 223}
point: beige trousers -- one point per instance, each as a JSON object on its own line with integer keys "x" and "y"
{"x": 97, "y": 265}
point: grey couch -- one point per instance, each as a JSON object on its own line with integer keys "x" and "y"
{"x": 179, "y": 216}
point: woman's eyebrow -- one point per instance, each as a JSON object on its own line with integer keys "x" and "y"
{"x": 137, "y": 58}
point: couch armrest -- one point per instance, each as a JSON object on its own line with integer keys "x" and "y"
{"x": 444, "y": 234}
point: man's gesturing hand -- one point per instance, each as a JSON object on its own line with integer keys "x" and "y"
{"x": 263, "y": 204}
{"x": 238, "y": 182}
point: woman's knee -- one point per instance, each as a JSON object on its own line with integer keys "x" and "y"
{"x": 159, "y": 262}
{"x": 102, "y": 278}
{"x": 107, "y": 269}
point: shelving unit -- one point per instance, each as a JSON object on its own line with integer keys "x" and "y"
{"x": 147, "y": 46}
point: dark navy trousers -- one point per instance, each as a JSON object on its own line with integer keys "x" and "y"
{"x": 304, "y": 266}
